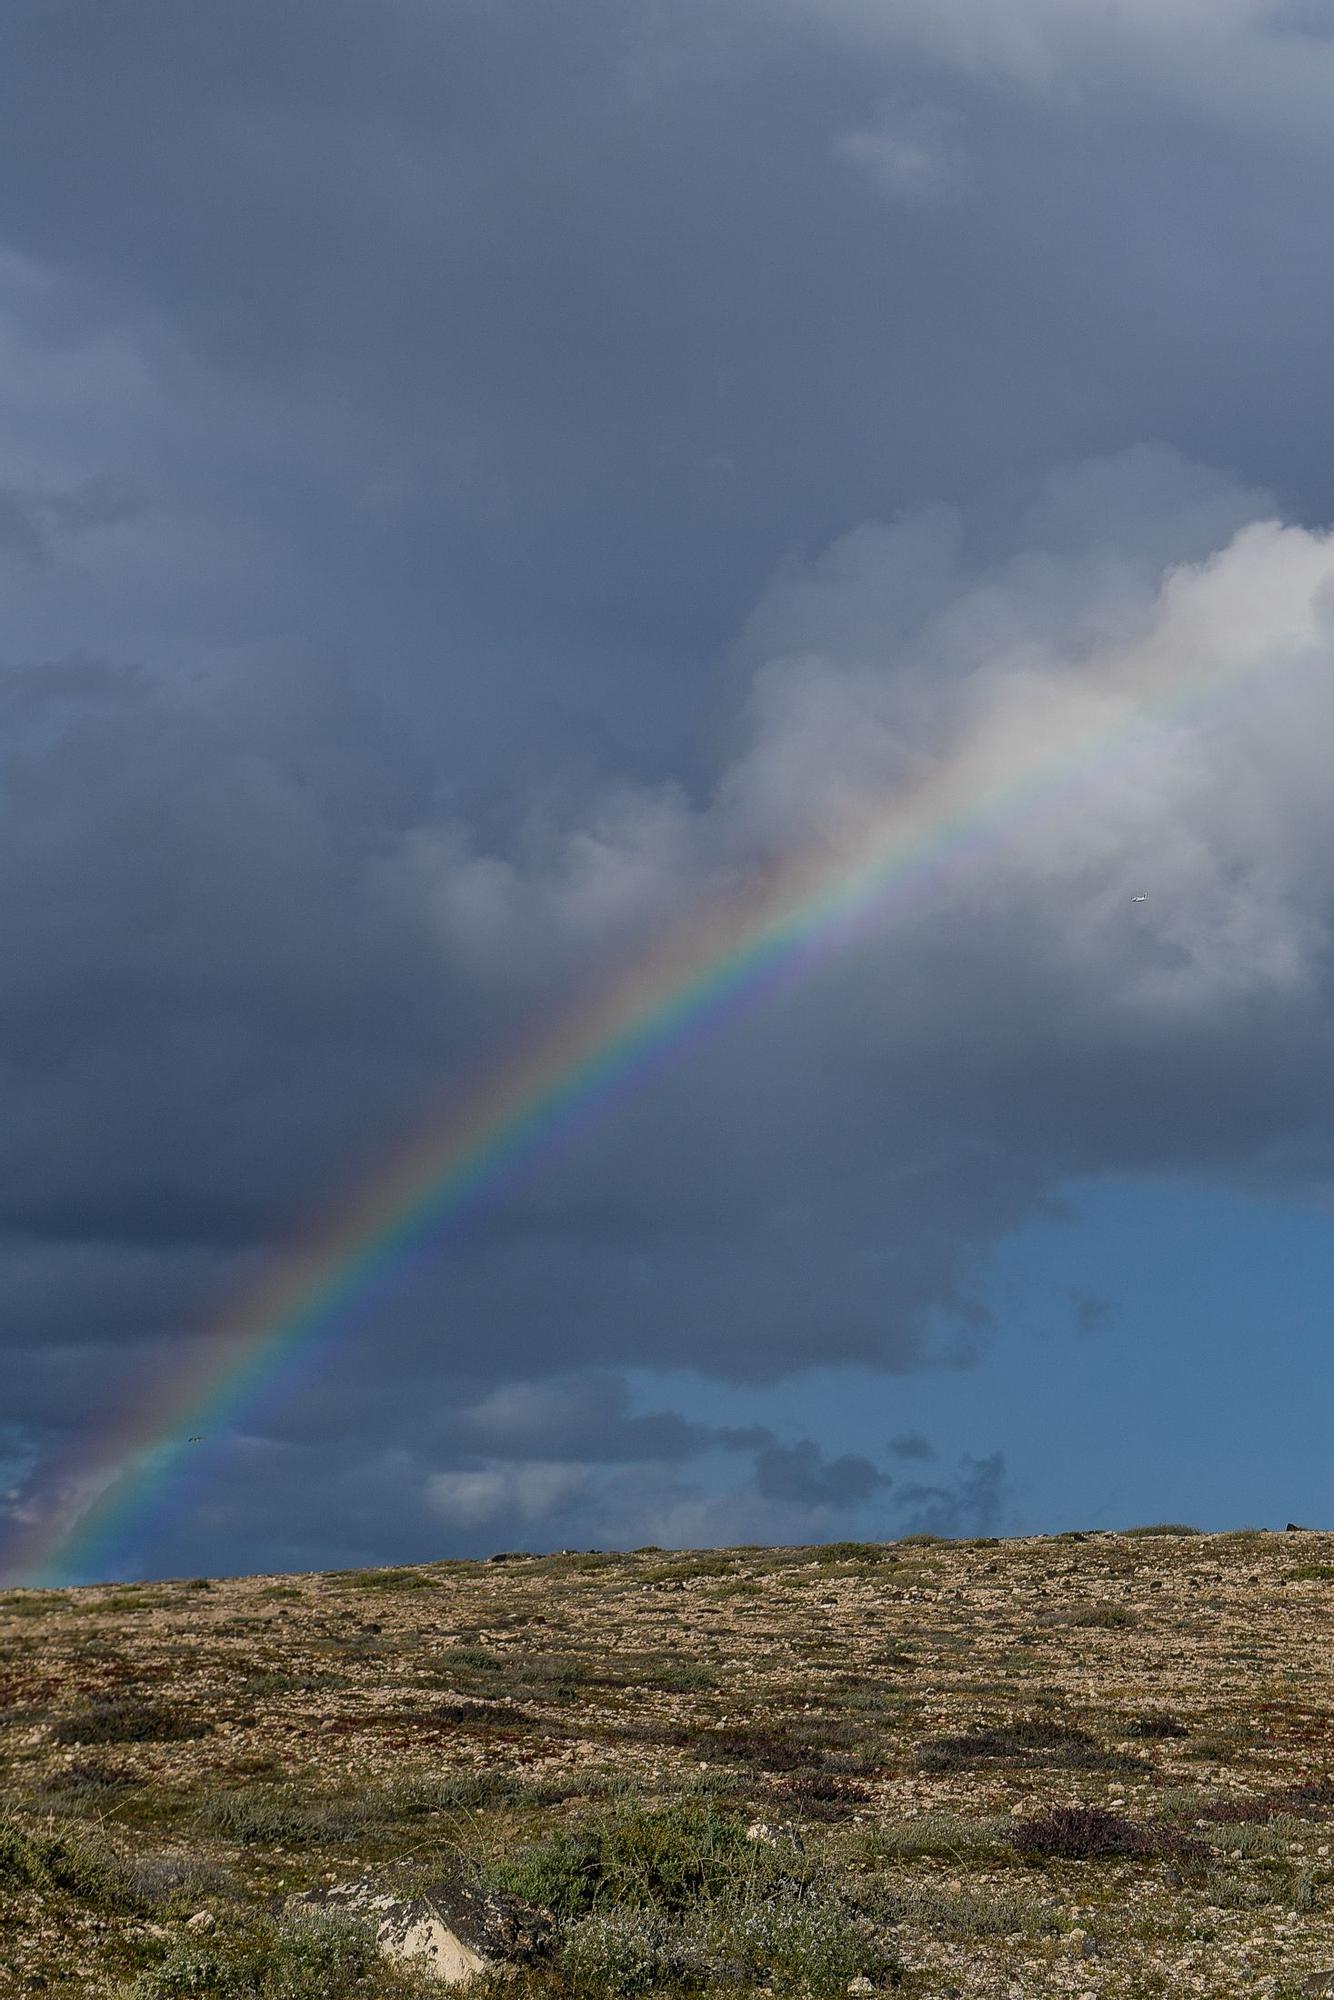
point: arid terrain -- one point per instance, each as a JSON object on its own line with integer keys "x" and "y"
{"x": 1079, "y": 1765}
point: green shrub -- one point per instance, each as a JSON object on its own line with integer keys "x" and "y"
{"x": 665, "y": 1858}
{"x": 324, "y": 1956}
{"x": 136, "y": 1598}
{"x": 687, "y": 1570}
{"x": 678, "y": 1676}
{"x": 98, "y": 1872}
{"x": 88, "y": 1781}
{"x": 940, "y": 1835}
{"x": 1230, "y": 1889}
{"x": 268, "y": 1819}
{"x": 382, "y": 1579}
{"x": 796, "y": 1940}
{"x": 22, "y": 1862}
{"x": 471, "y": 1660}
{"x": 962, "y": 1913}
{"x": 457, "y": 1791}
{"x": 1107, "y": 1617}
{"x": 625, "y": 1952}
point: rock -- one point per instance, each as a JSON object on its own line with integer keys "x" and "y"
{"x": 452, "y": 1931}
{"x": 859, "y": 1983}
{"x": 1079, "y": 1944}
{"x": 202, "y": 1920}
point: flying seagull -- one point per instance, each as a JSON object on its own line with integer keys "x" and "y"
{"x": 194, "y": 1440}
{"x": 1139, "y": 899}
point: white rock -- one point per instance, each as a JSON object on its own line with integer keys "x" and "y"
{"x": 408, "y": 1928}
{"x": 452, "y": 1932}
{"x": 202, "y": 1920}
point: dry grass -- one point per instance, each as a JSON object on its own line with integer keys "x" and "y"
{"x": 1051, "y": 1767}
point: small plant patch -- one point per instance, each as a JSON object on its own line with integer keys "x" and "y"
{"x": 1163, "y": 1528}
{"x": 665, "y": 1858}
{"x": 1092, "y": 1833}
{"x": 1158, "y": 1727}
{"x": 126, "y": 1719}
{"x": 821, "y": 1796}
{"x": 1034, "y": 1741}
{"x": 383, "y": 1579}
{"x": 1105, "y": 1617}
{"x": 325, "y": 1957}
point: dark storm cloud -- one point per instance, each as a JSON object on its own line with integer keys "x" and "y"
{"x": 977, "y": 1501}
{"x": 473, "y": 481}
{"x": 206, "y": 942}
{"x": 290, "y": 1506}
{"x": 258, "y": 943}
{"x": 1092, "y": 1313}
{"x": 912, "y": 1445}
{"x": 628, "y": 301}
{"x": 799, "y": 1472}
{"x": 32, "y": 521}
{"x": 588, "y": 1418}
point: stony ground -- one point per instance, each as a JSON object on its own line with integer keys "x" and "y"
{"x": 894, "y": 1724}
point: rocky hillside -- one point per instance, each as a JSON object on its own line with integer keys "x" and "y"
{"x": 1084, "y": 1765}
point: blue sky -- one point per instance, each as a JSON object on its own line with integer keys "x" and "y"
{"x": 1194, "y": 1390}
{"x": 480, "y": 484}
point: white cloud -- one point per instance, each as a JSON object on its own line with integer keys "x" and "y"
{"x": 1253, "y": 68}
{"x": 503, "y": 1491}
{"x": 913, "y": 158}
{"x": 1181, "y": 702}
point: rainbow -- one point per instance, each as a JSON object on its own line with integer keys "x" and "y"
{"x": 725, "y": 955}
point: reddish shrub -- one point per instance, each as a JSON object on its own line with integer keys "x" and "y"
{"x": 1091, "y": 1833}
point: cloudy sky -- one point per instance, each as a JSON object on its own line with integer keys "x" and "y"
{"x": 477, "y": 479}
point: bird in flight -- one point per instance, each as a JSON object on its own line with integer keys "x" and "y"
{"x": 194, "y": 1440}
{"x": 1139, "y": 899}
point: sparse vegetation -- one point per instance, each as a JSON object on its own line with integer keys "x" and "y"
{"x": 679, "y": 1897}
{"x": 1026, "y": 1741}
{"x": 1159, "y": 1727}
{"x": 925, "y": 1765}
{"x": 296, "y": 1958}
{"x": 1092, "y": 1833}
{"x": 665, "y": 1859}
{"x": 126, "y": 1719}
{"x": 381, "y": 1580}
{"x": 1163, "y": 1528}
